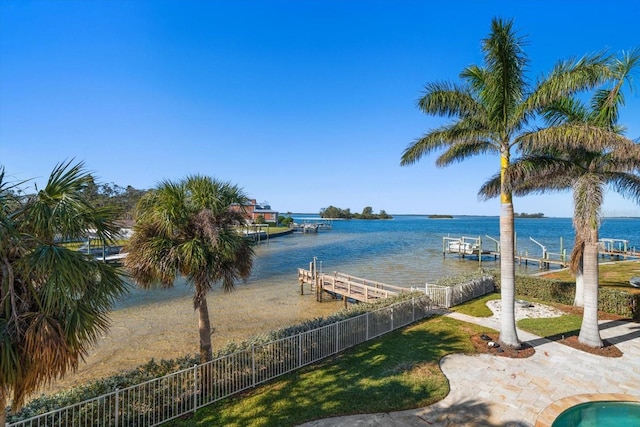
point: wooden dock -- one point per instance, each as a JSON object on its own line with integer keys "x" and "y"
{"x": 345, "y": 287}
{"x": 312, "y": 225}
{"x": 472, "y": 247}
{"x": 617, "y": 249}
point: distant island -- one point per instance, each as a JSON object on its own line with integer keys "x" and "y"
{"x": 441, "y": 216}
{"x": 528, "y": 215}
{"x": 367, "y": 213}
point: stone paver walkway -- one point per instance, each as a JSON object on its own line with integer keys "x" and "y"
{"x": 488, "y": 390}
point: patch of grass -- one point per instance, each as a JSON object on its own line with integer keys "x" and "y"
{"x": 276, "y": 230}
{"x": 614, "y": 275}
{"x": 397, "y": 371}
{"x": 567, "y": 325}
{"x": 477, "y": 307}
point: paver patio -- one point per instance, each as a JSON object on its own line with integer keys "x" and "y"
{"x": 487, "y": 390}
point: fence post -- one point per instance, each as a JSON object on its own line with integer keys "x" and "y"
{"x": 337, "y": 337}
{"x": 253, "y": 364}
{"x": 392, "y": 328}
{"x": 117, "y": 407}
{"x": 413, "y": 309}
{"x": 195, "y": 387}
{"x": 300, "y": 350}
{"x": 367, "y": 325}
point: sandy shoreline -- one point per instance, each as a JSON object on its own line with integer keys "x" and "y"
{"x": 161, "y": 324}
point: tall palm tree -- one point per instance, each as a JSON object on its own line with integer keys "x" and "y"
{"x": 583, "y": 150}
{"x": 54, "y": 301}
{"x": 492, "y": 107}
{"x": 188, "y": 228}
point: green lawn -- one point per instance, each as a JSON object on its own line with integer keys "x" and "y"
{"x": 477, "y": 307}
{"x": 611, "y": 274}
{"x": 397, "y": 371}
{"x": 567, "y": 325}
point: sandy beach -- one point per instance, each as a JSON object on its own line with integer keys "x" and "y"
{"x": 161, "y": 324}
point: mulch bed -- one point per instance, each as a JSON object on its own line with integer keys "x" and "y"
{"x": 481, "y": 344}
{"x": 607, "y": 350}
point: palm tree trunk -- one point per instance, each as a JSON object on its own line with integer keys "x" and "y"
{"x": 589, "y": 331}
{"x": 508, "y": 333}
{"x": 204, "y": 329}
{"x": 578, "y": 300}
{"x": 3, "y": 411}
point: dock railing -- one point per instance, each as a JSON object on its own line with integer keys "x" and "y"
{"x": 162, "y": 399}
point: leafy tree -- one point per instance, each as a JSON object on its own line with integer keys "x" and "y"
{"x": 123, "y": 199}
{"x": 334, "y": 212}
{"x": 187, "y": 228}
{"x": 491, "y": 108}
{"x": 582, "y": 150}
{"x": 285, "y": 221}
{"x": 54, "y": 301}
{"x": 367, "y": 212}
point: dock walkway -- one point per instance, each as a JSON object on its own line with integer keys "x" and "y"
{"x": 344, "y": 286}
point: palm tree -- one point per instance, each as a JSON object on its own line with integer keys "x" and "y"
{"x": 492, "y": 107}
{"x": 583, "y": 150}
{"x": 188, "y": 228}
{"x": 54, "y": 301}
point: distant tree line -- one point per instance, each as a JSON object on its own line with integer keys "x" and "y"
{"x": 528, "y": 215}
{"x": 367, "y": 213}
{"x": 124, "y": 199}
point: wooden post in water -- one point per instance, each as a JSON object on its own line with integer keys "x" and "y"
{"x": 301, "y": 280}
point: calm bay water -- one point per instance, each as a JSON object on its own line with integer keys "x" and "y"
{"x": 404, "y": 251}
{"x": 407, "y": 250}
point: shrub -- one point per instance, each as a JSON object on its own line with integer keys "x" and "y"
{"x": 612, "y": 301}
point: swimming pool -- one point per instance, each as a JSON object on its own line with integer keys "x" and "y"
{"x": 600, "y": 414}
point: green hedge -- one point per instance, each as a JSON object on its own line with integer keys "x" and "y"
{"x": 612, "y": 301}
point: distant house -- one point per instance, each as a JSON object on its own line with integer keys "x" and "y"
{"x": 253, "y": 210}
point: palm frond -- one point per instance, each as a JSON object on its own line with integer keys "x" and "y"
{"x": 565, "y": 110}
{"x": 448, "y": 100}
{"x": 567, "y": 78}
{"x": 505, "y": 63}
{"x": 430, "y": 142}
{"x": 491, "y": 188}
{"x": 572, "y": 137}
{"x": 626, "y": 184}
{"x": 462, "y": 150}
{"x": 588, "y": 195}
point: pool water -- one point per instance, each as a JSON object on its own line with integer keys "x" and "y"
{"x": 600, "y": 414}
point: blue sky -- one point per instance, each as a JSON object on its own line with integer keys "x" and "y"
{"x": 304, "y": 104}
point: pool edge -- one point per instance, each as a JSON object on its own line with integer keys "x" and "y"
{"x": 551, "y": 412}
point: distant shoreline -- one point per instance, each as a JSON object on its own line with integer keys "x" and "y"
{"x": 477, "y": 216}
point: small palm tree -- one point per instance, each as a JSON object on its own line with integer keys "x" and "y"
{"x": 188, "y": 228}
{"x": 54, "y": 301}
{"x": 492, "y": 107}
{"x": 583, "y": 150}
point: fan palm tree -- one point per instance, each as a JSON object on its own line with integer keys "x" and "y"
{"x": 54, "y": 301}
{"x": 187, "y": 228}
{"x": 583, "y": 150}
{"x": 492, "y": 107}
